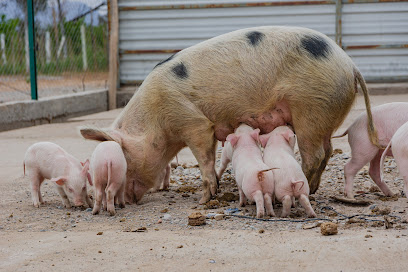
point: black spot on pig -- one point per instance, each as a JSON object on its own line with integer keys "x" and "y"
{"x": 180, "y": 70}
{"x": 164, "y": 61}
{"x": 316, "y": 46}
{"x": 255, "y": 37}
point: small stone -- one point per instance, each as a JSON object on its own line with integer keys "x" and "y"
{"x": 88, "y": 210}
{"x": 68, "y": 213}
{"x": 196, "y": 219}
{"x": 159, "y": 221}
{"x": 100, "y": 233}
{"x": 210, "y": 215}
{"x": 166, "y": 216}
{"x": 180, "y": 246}
{"x": 164, "y": 210}
{"x": 368, "y": 236}
{"x": 310, "y": 226}
{"x": 122, "y": 220}
{"x": 328, "y": 228}
{"x": 99, "y": 251}
{"x": 219, "y": 217}
{"x": 212, "y": 261}
{"x": 261, "y": 231}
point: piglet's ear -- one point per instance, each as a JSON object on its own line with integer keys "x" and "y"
{"x": 89, "y": 178}
{"x": 263, "y": 139}
{"x": 255, "y": 134}
{"x": 85, "y": 166}
{"x": 233, "y": 139}
{"x": 60, "y": 180}
{"x": 290, "y": 137}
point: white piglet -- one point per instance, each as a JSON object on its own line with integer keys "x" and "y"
{"x": 46, "y": 160}
{"x": 108, "y": 170}
{"x": 254, "y": 178}
{"x": 399, "y": 148}
{"x": 290, "y": 181}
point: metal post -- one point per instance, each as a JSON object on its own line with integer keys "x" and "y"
{"x": 31, "y": 41}
{"x": 339, "y": 10}
{"x": 83, "y": 41}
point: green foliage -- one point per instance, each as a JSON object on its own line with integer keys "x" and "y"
{"x": 96, "y": 48}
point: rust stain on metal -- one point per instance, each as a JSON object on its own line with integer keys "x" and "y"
{"x": 158, "y": 51}
{"x": 351, "y": 47}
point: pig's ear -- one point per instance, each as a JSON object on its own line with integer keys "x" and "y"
{"x": 233, "y": 139}
{"x": 255, "y": 134}
{"x": 89, "y": 178}
{"x": 100, "y": 135}
{"x": 290, "y": 137}
{"x": 264, "y": 139}
{"x": 60, "y": 180}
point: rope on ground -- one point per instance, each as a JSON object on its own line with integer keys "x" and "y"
{"x": 340, "y": 217}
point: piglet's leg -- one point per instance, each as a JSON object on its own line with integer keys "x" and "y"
{"x": 120, "y": 196}
{"x": 88, "y": 201}
{"x": 304, "y": 201}
{"x": 224, "y": 163}
{"x": 64, "y": 197}
{"x": 268, "y": 205}
{"x": 375, "y": 174}
{"x": 98, "y": 200}
{"x": 110, "y": 199}
{"x": 166, "y": 181}
{"x": 286, "y": 203}
{"x": 259, "y": 201}
{"x": 35, "y": 189}
{"x": 242, "y": 198}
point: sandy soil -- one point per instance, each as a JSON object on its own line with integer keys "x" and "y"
{"x": 59, "y": 239}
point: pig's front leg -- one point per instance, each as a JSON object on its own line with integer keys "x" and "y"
{"x": 242, "y": 198}
{"x": 64, "y": 197}
{"x": 203, "y": 144}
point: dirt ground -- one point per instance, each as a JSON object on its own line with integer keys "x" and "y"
{"x": 155, "y": 236}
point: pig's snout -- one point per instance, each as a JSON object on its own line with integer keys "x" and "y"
{"x": 79, "y": 203}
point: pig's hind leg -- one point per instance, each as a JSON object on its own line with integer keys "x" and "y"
{"x": 36, "y": 180}
{"x": 375, "y": 174}
{"x": 286, "y": 204}
{"x": 98, "y": 200}
{"x": 304, "y": 201}
{"x": 268, "y": 205}
{"x": 259, "y": 201}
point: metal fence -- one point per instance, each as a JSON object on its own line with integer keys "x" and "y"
{"x": 71, "y": 47}
{"x": 373, "y": 32}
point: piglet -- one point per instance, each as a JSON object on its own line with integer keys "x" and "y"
{"x": 254, "y": 178}
{"x": 289, "y": 178}
{"x": 399, "y": 148}
{"x": 387, "y": 119}
{"x": 108, "y": 171}
{"x": 45, "y": 160}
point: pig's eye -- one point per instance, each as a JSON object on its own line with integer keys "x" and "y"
{"x": 70, "y": 190}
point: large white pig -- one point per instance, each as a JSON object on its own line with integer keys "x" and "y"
{"x": 263, "y": 76}
{"x": 399, "y": 147}
{"x": 108, "y": 171}
{"x": 45, "y": 160}
{"x": 388, "y": 118}
{"x": 290, "y": 181}
{"x": 254, "y": 178}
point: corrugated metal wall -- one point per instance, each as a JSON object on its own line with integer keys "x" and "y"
{"x": 150, "y": 31}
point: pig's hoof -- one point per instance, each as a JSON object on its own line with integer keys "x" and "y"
{"x": 36, "y": 205}
{"x": 112, "y": 213}
{"x": 122, "y": 205}
{"x": 206, "y": 197}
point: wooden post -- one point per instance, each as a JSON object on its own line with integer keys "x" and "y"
{"x": 113, "y": 54}
{"x": 47, "y": 48}
{"x": 84, "y": 57}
